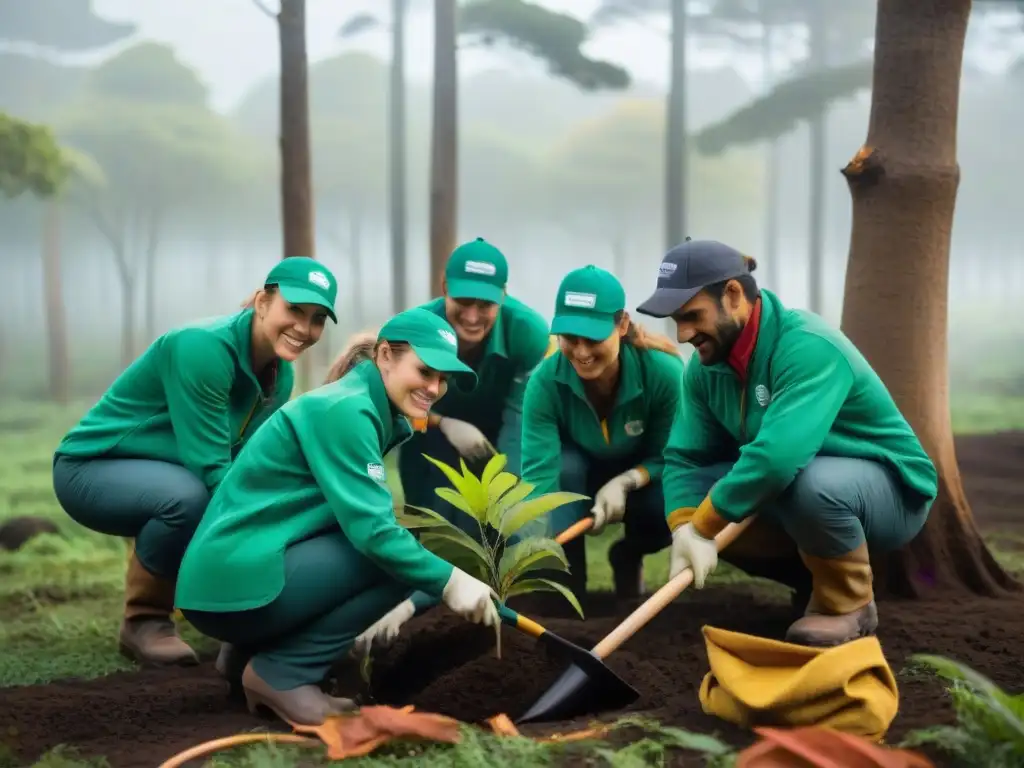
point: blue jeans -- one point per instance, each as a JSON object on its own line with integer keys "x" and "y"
{"x": 157, "y": 503}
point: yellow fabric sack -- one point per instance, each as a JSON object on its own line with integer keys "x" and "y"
{"x": 757, "y": 681}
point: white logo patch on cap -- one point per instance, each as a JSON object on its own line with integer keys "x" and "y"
{"x": 481, "y": 268}
{"x": 667, "y": 269}
{"x": 580, "y": 300}
{"x": 319, "y": 278}
{"x": 448, "y": 336}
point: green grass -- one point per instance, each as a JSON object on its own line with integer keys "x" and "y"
{"x": 61, "y": 599}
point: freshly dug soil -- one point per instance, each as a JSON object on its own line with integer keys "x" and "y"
{"x": 442, "y": 664}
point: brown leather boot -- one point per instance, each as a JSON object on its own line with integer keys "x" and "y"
{"x": 305, "y": 705}
{"x": 842, "y": 606}
{"x": 148, "y": 635}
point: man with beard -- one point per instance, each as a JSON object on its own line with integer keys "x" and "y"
{"x": 783, "y": 417}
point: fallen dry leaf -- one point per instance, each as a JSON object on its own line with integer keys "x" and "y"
{"x": 813, "y": 747}
{"x": 360, "y": 733}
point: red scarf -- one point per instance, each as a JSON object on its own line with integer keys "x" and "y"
{"x": 743, "y": 349}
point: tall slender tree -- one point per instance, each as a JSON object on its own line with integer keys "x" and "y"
{"x": 904, "y": 182}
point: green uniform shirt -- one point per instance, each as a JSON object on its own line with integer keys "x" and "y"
{"x": 317, "y": 464}
{"x": 191, "y": 399}
{"x": 556, "y": 410}
{"x": 809, "y": 392}
{"x": 514, "y": 347}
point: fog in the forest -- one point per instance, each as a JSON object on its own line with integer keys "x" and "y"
{"x": 180, "y": 207}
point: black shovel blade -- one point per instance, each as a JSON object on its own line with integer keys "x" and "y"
{"x": 588, "y": 686}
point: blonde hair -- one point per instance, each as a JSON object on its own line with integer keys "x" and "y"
{"x": 639, "y": 337}
{"x": 359, "y": 348}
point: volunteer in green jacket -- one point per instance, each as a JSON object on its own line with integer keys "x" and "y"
{"x": 145, "y": 458}
{"x": 786, "y": 419}
{"x": 596, "y": 417}
{"x": 502, "y": 340}
{"x": 299, "y": 551}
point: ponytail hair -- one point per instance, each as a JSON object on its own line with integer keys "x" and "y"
{"x": 250, "y": 302}
{"x": 360, "y": 347}
{"x": 640, "y": 338}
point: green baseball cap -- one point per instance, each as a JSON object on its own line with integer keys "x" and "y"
{"x": 432, "y": 339}
{"x": 302, "y": 280}
{"x": 477, "y": 270}
{"x": 586, "y": 304}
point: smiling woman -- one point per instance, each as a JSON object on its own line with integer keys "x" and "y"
{"x": 144, "y": 460}
{"x": 299, "y": 551}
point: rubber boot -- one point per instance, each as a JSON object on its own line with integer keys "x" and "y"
{"x": 627, "y": 570}
{"x": 230, "y": 665}
{"x": 842, "y": 606}
{"x": 305, "y": 705}
{"x": 148, "y": 635}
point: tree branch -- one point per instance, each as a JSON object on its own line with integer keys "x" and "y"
{"x": 265, "y": 8}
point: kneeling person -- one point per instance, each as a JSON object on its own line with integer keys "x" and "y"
{"x": 784, "y": 418}
{"x": 299, "y": 550}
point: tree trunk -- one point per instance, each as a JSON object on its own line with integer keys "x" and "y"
{"x": 152, "y": 243}
{"x": 904, "y": 184}
{"x": 772, "y": 165}
{"x": 818, "y": 32}
{"x": 127, "y": 320}
{"x": 355, "y": 255}
{"x": 444, "y": 155}
{"x": 56, "y": 318}
{"x": 396, "y": 157}
{"x": 296, "y": 173}
{"x": 675, "y": 133}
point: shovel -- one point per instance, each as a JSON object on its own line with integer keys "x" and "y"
{"x": 579, "y": 691}
{"x": 610, "y": 690}
{"x": 574, "y": 530}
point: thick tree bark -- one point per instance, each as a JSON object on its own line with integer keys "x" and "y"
{"x": 904, "y": 184}
{"x": 56, "y": 317}
{"x": 296, "y": 172}
{"x": 675, "y": 133}
{"x": 396, "y": 156}
{"x": 444, "y": 155}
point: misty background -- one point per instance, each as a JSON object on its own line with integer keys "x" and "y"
{"x": 179, "y": 121}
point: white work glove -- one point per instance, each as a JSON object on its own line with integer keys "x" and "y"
{"x": 691, "y": 550}
{"x": 384, "y": 631}
{"x": 470, "y": 598}
{"x": 467, "y": 439}
{"x": 610, "y": 502}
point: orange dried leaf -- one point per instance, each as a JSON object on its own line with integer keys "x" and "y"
{"x": 823, "y": 748}
{"x": 502, "y": 725}
{"x": 360, "y": 733}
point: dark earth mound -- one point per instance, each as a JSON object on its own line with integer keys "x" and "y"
{"x": 140, "y": 718}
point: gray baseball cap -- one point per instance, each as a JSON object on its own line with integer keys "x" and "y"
{"x": 689, "y": 268}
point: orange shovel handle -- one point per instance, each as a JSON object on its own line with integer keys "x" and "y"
{"x": 575, "y": 530}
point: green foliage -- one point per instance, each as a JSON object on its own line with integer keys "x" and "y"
{"x": 611, "y": 171}
{"x": 503, "y": 507}
{"x": 63, "y": 25}
{"x": 555, "y": 38}
{"x": 990, "y": 729}
{"x": 775, "y": 114}
{"x": 148, "y": 73}
{"x": 30, "y": 159}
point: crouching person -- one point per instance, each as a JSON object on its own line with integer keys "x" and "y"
{"x": 786, "y": 419}
{"x": 299, "y": 551}
{"x": 596, "y": 417}
{"x": 144, "y": 460}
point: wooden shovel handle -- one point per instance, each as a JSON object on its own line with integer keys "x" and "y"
{"x": 660, "y": 599}
{"x": 575, "y": 530}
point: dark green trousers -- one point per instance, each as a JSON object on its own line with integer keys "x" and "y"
{"x": 154, "y": 502}
{"x": 331, "y": 594}
{"x": 645, "y": 528}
